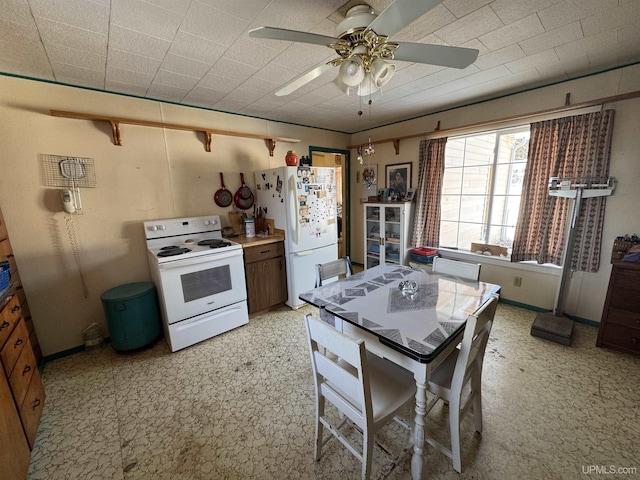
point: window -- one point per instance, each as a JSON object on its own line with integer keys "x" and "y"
{"x": 481, "y": 187}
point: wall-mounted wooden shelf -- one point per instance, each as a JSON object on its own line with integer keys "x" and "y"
{"x": 208, "y": 132}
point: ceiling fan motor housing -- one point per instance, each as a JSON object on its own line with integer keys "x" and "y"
{"x": 357, "y": 20}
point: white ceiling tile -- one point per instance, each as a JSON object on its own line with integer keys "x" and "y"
{"x": 16, "y": 11}
{"x": 230, "y": 105}
{"x": 117, "y": 59}
{"x": 553, "y": 38}
{"x": 166, "y": 92}
{"x": 17, "y": 32}
{"x": 259, "y": 85}
{"x": 302, "y": 57}
{"x": 78, "y": 13}
{"x": 460, "y": 8}
{"x": 145, "y": 18}
{"x": 257, "y": 54}
{"x": 512, "y": 10}
{"x": 236, "y": 71}
{"x": 29, "y": 68}
{"x": 276, "y": 73}
{"x": 475, "y": 24}
{"x": 23, "y": 51}
{"x": 207, "y": 22}
{"x": 532, "y": 61}
{"x": 129, "y": 77}
{"x": 78, "y": 76}
{"x": 586, "y": 45}
{"x": 612, "y": 18}
{"x": 569, "y": 11}
{"x": 499, "y": 57}
{"x": 73, "y": 37}
{"x": 203, "y": 96}
{"x": 184, "y": 66}
{"x": 71, "y": 56}
{"x": 242, "y": 95}
{"x": 513, "y": 33}
{"x": 172, "y": 79}
{"x": 138, "y": 43}
{"x": 177, "y": 6}
{"x": 246, "y": 9}
{"x": 219, "y": 83}
{"x": 198, "y": 48}
{"x": 417, "y": 30}
{"x": 121, "y": 87}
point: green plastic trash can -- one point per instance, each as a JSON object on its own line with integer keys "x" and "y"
{"x": 133, "y": 316}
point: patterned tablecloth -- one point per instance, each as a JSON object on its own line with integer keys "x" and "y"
{"x": 418, "y": 325}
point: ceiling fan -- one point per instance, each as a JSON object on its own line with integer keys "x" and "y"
{"x": 364, "y": 50}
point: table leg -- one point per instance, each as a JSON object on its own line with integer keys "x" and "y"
{"x": 418, "y": 431}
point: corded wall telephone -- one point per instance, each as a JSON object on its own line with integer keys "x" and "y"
{"x": 67, "y": 201}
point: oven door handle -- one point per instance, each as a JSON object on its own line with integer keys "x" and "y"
{"x": 199, "y": 260}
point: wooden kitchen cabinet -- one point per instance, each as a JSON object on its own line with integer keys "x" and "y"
{"x": 620, "y": 323}
{"x": 21, "y": 392}
{"x": 266, "y": 276}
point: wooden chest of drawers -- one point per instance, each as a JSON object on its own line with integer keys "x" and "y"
{"x": 620, "y": 324}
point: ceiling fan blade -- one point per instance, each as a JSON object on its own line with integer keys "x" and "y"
{"x": 400, "y": 14}
{"x": 273, "y": 33}
{"x": 302, "y": 80}
{"x": 445, "y": 56}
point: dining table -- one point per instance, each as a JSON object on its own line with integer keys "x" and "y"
{"x": 415, "y": 327}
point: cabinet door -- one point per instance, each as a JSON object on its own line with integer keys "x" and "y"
{"x": 393, "y": 234}
{"x": 266, "y": 283}
{"x": 14, "y": 451}
{"x": 373, "y": 246}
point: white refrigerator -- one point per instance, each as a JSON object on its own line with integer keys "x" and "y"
{"x": 302, "y": 202}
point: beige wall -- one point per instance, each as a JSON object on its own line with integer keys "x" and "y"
{"x": 586, "y": 291}
{"x": 155, "y": 174}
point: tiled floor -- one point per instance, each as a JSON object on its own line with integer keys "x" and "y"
{"x": 240, "y": 406}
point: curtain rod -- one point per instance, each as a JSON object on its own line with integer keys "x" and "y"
{"x": 438, "y": 133}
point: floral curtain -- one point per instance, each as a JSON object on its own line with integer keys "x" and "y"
{"x": 426, "y": 223}
{"x": 577, "y": 146}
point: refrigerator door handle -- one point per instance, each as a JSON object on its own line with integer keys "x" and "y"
{"x": 304, "y": 253}
{"x": 295, "y": 220}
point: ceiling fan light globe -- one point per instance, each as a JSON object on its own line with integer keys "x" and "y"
{"x": 367, "y": 86}
{"x": 351, "y": 72}
{"x": 382, "y": 71}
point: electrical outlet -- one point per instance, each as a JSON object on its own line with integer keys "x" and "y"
{"x": 517, "y": 281}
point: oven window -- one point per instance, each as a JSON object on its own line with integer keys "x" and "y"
{"x": 205, "y": 283}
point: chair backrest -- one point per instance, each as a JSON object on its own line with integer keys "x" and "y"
{"x": 456, "y": 268}
{"x": 340, "y": 370}
{"x": 333, "y": 269}
{"x": 474, "y": 344}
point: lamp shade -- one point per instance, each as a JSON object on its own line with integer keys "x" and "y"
{"x": 381, "y": 72}
{"x": 367, "y": 86}
{"x": 351, "y": 71}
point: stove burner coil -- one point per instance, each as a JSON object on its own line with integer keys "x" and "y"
{"x": 214, "y": 243}
{"x": 172, "y": 250}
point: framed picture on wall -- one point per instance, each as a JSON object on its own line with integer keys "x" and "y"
{"x": 399, "y": 178}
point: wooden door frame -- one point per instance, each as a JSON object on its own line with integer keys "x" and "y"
{"x": 346, "y": 194}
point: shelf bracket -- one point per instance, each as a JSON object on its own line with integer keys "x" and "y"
{"x": 115, "y": 131}
{"x": 271, "y": 145}
{"x": 207, "y": 140}
{"x": 396, "y": 145}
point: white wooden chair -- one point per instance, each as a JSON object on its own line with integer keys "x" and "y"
{"x": 456, "y": 268}
{"x": 365, "y": 389}
{"x": 329, "y": 271}
{"x": 333, "y": 269}
{"x": 463, "y": 367}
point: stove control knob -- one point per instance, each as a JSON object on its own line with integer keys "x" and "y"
{"x": 162, "y": 227}
{"x": 213, "y": 221}
{"x": 153, "y": 228}
{"x": 207, "y": 222}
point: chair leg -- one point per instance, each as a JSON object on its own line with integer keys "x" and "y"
{"x": 367, "y": 454}
{"x": 476, "y": 391}
{"x": 454, "y": 428}
{"x": 319, "y": 428}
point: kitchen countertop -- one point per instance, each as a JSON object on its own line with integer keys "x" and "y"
{"x": 257, "y": 240}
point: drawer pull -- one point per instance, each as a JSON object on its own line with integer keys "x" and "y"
{"x": 27, "y": 369}
{"x": 265, "y": 251}
{"x": 5, "y": 324}
{"x": 36, "y": 402}
{"x": 15, "y": 309}
{"x": 18, "y": 343}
